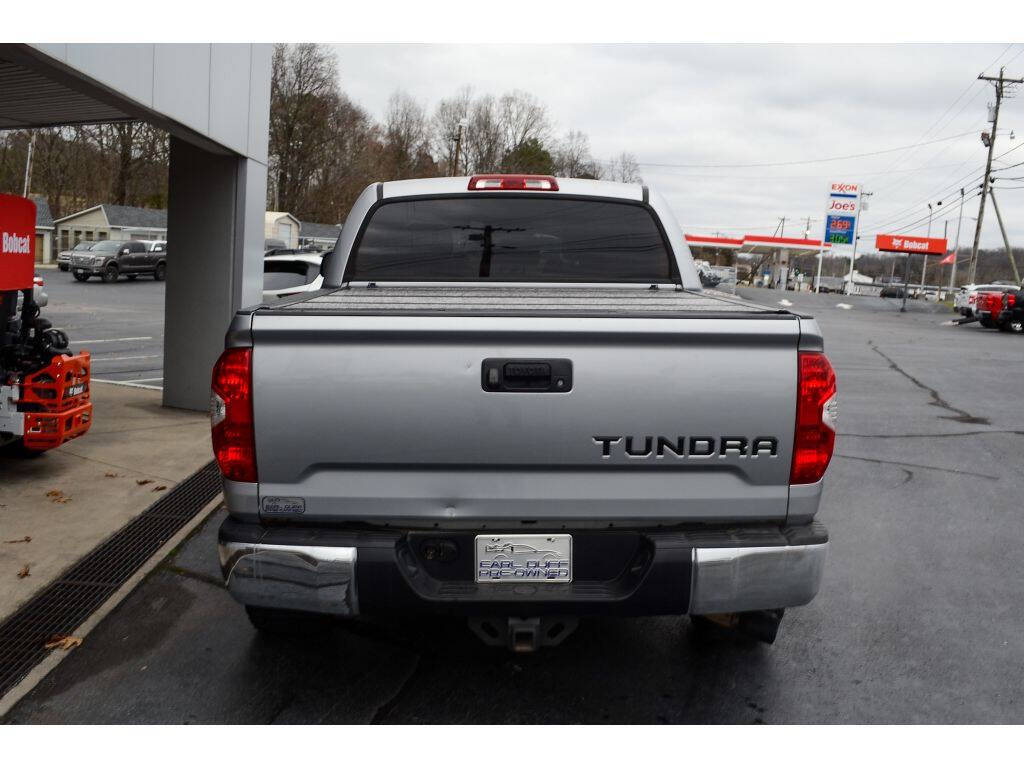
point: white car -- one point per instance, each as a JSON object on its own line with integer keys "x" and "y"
{"x": 154, "y": 246}
{"x": 963, "y": 299}
{"x": 291, "y": 274}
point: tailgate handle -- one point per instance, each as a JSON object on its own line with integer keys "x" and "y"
{"x": 511, "y": 375}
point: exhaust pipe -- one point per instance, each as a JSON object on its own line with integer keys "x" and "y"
{"x": 759, "y": 625}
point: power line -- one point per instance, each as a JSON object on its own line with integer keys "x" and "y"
{"x": 935, "y": 124}
{"x": 802, "y": 162}
{"x": 761, "y": 177}
{"x": 947, "y": 190}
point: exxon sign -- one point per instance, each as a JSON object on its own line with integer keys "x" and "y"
{"x": 841, "y": 210}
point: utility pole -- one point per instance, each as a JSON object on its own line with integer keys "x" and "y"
{"x": 956, "y": 248}
{"x": 28, "y": 164}
{"x": 1006, "y": 240}
{"x": 856, "y": 237}
{"x": 1000, "y": 83}
{"x": 924, "y": 266}
{"x": 458, "y": 147}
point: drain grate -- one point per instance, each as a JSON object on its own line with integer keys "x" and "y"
{"x": 69, "y": 600}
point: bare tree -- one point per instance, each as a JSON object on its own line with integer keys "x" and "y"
{"x": 445, "y": 129}
{"x": 572, "y": 157}
{"x": 406, "y": 136}
{"x": 523, "y": 117}
{"x": 483, "y": 139}
{"x": 303, "y": 95}
{"x": 624, "y": 168}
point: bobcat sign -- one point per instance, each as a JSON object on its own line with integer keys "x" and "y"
{"x": 17, "y": 231}
{"x": 932, "y": 246}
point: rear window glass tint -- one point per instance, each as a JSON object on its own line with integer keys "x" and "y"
{"x": 511, "y": 238}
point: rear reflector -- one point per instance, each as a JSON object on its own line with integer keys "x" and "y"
{"x": 816, "y": 411}
{"x": 234, "y": 442}
{"x": 507, "y": 181}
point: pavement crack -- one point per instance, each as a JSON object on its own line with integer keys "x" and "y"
{"x": 937, "y": 400}
{"x": 973, "y": 433}
{"x": 190, "y": 574}
{"x": 132, "y": 470}
{"x": 903, "y": 464}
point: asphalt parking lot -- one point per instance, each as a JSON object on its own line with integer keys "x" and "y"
{"x": 920, "y": 618}
{"x": 121, "y": 324}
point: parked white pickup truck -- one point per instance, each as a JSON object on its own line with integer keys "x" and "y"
{"x": 511, "y": 400}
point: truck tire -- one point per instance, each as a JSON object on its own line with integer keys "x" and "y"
{"x": 986, "y": 323}
{"x": 81, "y": 277}
{"x": 63, "y": 267}
{"x": 110, "y": 273}
{"x": 160, "y": 273}
{"x": 277, "y": 621}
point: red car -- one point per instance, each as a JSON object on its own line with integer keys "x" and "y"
{"x": 987, "y": 307}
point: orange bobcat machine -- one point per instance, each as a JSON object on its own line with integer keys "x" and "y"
{"x": 44, "y": 388}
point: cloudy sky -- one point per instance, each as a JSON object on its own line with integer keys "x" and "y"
{"x": 719, "y": 113}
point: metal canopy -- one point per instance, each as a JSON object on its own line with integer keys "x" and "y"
{"x": 29, "y": 99}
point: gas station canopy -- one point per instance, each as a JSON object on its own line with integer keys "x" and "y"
{"x": 767, "y": 245}
{"x": 759, "y": 244}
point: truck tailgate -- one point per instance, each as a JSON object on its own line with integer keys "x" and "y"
{"x": 371, "y": 406}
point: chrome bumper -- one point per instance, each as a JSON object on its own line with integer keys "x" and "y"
{"x": 299, "y": 578}
{"x": 735, "y": 579}
{"x": 322, "y": 579}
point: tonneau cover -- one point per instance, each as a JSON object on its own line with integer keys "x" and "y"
{"x": 519, "y": 300}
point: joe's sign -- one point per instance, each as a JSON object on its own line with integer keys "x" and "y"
{"x": 17, "y": 233}
{"x": 933, "y": 246}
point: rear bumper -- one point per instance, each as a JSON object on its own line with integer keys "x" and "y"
{"x": 697, "y": 570}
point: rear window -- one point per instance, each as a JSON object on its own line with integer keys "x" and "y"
{"x": 511, "y": 238}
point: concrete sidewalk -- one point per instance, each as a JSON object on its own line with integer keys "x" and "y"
{"x": 72, "y": 498}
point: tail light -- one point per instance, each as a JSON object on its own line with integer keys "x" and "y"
{"x": 508, "y": 181}
{"x": 817, "y": 409}
{"x": 234, "y": 442}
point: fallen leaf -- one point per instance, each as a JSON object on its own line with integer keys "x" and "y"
{"x": 63, "y": 642}
{"x": 58, "y": 497}
{"x": 143, "y": 482}
{"x": 19, "y": 541}
{"x": 54, "y": 494}
{"x": 110, "y": 474}
{"x": 23, "y": 573}
{"x": 160, "y": 488}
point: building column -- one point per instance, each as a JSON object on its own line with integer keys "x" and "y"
{"x": 214, "y": 262}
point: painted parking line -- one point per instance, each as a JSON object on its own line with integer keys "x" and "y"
{"x": 129, "y": 357}
{"x": 110, "y": 341}
{"x": 127, "y": 384}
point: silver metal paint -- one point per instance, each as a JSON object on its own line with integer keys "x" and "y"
{"x": 298, "y": 578}
{"x": 402, "y": 427}
{"x": 731, "y": 579}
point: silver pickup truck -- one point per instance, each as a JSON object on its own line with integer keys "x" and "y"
{"x": 513, "y": 401}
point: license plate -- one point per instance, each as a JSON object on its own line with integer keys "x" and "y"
{"x": 524, "y": 558}
{"x": 77, "y": 389}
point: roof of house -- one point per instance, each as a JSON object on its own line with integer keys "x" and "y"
{"x": 313, "y": 230}
{"x": 131, "y": 216}
{"x": 44, "y": 218}
{"x": 270, "y": 216}
{"x": 127, "y": 216}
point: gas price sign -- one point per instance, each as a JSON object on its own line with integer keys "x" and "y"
{"x": 839, "y": 229}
